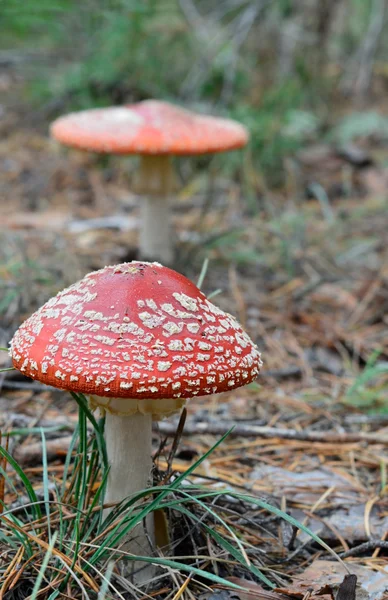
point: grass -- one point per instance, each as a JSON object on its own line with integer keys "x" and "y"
{"x": 59, "y": 543}
{"x": 54, "y": 540}
{"x": 29, "y": 274}
{"x": 222, "y": 59}
{"x": 369, "y": 389}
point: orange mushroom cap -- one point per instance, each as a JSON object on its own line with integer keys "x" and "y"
{"x": 149, "y": 127}
{"x": 135, "y": 330}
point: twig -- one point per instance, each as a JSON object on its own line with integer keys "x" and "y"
{"x": 12, "y": 420}
{"x": 328, "y": 437}
{"x": 32, "y": 453}
{"x": 175, "y": 444}
{"x": 377, "y": 419}
{"x": 365, "y": 547}
{"x": 361, "y": 74}
{"x": 292, "y": 371}
{"x": 26, "y": 385}
{"x": 369, "y": 47}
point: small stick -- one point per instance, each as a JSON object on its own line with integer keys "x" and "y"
{"x": 244, "y": 430}
{"x": 32, "y": 453}
{"x": 55, "y": 448}
{"x": 365, "y": 547}
{"x": 26, "y": 385}
{"x": 175, "y": 444}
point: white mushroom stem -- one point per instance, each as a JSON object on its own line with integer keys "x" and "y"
{"x": 128, "y": 439}
{"x": 155, "y": 181}
{"x": 129, "y": 446}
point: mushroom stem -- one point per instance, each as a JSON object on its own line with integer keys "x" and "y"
{"x": 129, "y": 446}
{"x": 155, "y": 180}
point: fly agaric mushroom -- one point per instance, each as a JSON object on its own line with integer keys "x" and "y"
{"x": 155, "y": 130}
{"x": 139, "y": 339}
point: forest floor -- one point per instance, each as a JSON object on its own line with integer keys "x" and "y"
{"x": 307, "y": 276}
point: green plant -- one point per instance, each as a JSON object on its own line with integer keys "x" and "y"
{"x": 358, "y": 125}
{"x": 61, "y": 541}
{"x": 13, "y": 280}
{"x": 201, "y": 53}
{"x": 25, "y": 280}
{"x": 370, "y": 388}
{"x": 278, "y": 128}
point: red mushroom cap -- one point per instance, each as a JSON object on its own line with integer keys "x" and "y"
{"x": 135, "y": 330}
{"x": 149, "y": 127}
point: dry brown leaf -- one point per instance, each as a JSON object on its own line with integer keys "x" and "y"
{"x": 254, "y": 590}
{"x": 323, "y": 578}
{"x": 305, "y": 487}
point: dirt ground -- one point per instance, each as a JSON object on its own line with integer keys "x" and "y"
{"x": 306, "y": 274}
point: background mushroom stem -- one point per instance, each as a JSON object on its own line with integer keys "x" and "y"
{"x": 155, "y": 181}
{"x": 129, "y": 447}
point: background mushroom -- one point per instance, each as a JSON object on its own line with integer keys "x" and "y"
{"x": 137, "y": 338}
{"x": 155, "y": 130}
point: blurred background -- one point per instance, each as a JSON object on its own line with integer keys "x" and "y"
{"x": 295, "y": 225}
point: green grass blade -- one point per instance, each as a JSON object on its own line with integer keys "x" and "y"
{"x": 62, "y": 525}
{"x": 291, "y": 520}
{"x": 81, "y": 401}
{"x": 77, "y": 544}
{"x": 215, "y": 516}
{"x": 203, "y": 272}
{"x": 46, "y": 493}
{"x": 22, "y": 539}
{"x": 42, "y": 570}
{"x": 32, "y": 430}
{"x": 68, "y": 459}
{"x": 7, "y": 541}
{"x": 106, "y": 582}
{"x": 120, "y": 531}
{"x": 214, "y": 294}
{"x": 203, "y": 493}
{"x": 175, "y": 484}
{"x": 164, "y": 562}
{"x": 97, "y": 499}
{"x": 80, "y": 484}
{"x": 371, "y": 372}
{"x": 224, "y": 543}
{"x": 26, "y": 482}
{"x": 76, "y": 579}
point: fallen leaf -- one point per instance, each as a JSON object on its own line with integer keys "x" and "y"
{"x": 324, "y": 578}
{"x": 254, "y": 590}
{"x": 306, "y": 487}
{"x": 375, "y": 180}
{"x": 348, "y": 522}
{"x": 120, "y": 222}
{"x": 355, "y": 155}
{"x": 220, "y": 595}
{"x": 347, "y": 589}
{"x": 55, "y": 220}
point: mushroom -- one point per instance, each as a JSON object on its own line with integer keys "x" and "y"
{"x": 138, "y": 339}
{"x": 155, "y": 130}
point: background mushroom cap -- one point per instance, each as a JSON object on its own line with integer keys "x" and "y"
{"x": 149, "y": 127}
{"x": 135, "y": 330}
